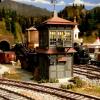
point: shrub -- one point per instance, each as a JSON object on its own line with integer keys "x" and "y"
{"x": 5, "y": 74}
{"x": 42, "y": 81}
{"x": 54, "y": 80}
{"x": 63, "y": 86}
{"x": 77, "y": 81}
{"x": 68, "y": 86}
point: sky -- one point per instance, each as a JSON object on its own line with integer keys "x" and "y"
{"x": 89, "y": 4}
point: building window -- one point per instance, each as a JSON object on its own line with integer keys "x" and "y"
{"x": 60, "y": 38}
{"x": 67, "y": 41}
{"x": 53, "y": 38}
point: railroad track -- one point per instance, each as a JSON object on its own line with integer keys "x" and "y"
{"x": 59, "y": 93}
{"x": 6, "y": 94}
{"x": 88, "y": 67}
{"x": 89, "y": 71}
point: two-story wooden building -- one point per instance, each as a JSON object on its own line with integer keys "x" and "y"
{"x": 55, "y": 48}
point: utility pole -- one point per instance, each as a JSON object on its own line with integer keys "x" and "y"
{"x": 53, "y": 2}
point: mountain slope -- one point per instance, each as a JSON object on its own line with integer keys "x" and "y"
{"x": 24, "y": 10}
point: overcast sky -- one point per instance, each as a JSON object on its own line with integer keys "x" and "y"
{"x": 60, "y": 3}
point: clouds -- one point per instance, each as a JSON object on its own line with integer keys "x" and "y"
{"x": 60, "y": 3}
{"x": 41, "y": 1}
{"x": 91, "y": 4}
{"x": 79, "y": 2}
{"x": 24, "y": 1}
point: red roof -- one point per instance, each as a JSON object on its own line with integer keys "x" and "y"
{"x": 58, "y": 20}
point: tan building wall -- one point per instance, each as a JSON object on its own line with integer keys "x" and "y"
{"x": 32, "y": 38}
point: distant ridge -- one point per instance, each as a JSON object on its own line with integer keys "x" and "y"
{"x": 23, "y": 9}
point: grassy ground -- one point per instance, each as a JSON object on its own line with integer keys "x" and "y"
{"x": 91, "y": 90}
{"x": 81, "y": 86}
{"x": 89, "y": 39}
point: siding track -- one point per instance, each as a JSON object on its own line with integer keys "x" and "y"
{"x": 90, "y": 71}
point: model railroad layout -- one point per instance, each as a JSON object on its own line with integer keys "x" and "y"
{"x": 90, "y": 71}
{"x": 9, "y": 91}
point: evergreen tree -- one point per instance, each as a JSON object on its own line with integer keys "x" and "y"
{"x": 13, "y": 28}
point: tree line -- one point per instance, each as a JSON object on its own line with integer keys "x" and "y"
{"x": 11, "y": 18}
{"x": 88, "y": 20}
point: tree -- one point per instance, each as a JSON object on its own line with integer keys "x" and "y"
{"x": 13, "y": 28}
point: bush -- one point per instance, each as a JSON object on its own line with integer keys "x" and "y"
{"x": 45, "y": 81}
{"x": 5, "y": 74}
{"x": 68, "y": 86}
{"x": 77, "y": 82}
{"x": 63, "y": 86}
{"x": 54, "y": 81}
{"x": 42, "y": 81}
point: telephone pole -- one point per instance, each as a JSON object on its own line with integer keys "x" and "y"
{"x": 53, "y": 2}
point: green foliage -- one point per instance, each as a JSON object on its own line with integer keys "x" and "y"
{"x": 63, "y": 86}
{"x": 5, "y": 74}
{"x": 88, "y": 19}
{"x": 26, "y": 18}
{"x": 46, "y": 80}
{"x": 67, "y": 86}
{"x": 77, "y": 82}
{"x": 70, "y": 86}
{"x": 23, "y": 9}
{"x": 54, "y": 80}
{"x": 42, "y": 81}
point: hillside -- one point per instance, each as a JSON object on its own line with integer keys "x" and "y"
{"x": 89, "y": 20}
{"x": 24, "y": 10}
{"x": 16, "y": 18}
{"x": 3, "y": 28}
